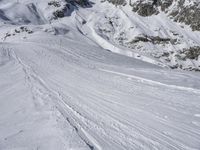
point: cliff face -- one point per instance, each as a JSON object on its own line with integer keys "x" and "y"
{"x": 187, "y": 12}
{"x": 150, "y": 7}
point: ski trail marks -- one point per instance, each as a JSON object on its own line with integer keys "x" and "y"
{"x": 151, "y": 82}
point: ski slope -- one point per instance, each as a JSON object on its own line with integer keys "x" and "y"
{"x": 66, "y": 94}
{"x": 62, "y": 88}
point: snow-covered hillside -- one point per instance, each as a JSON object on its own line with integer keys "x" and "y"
{"x": 167, "y": 34}
{"x": 87, "y": 75}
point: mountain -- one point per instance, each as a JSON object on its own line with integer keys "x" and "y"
{"x": 165, "y": 30}
{"x": 99, "y": 75}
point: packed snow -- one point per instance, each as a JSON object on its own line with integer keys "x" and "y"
{"x": 64, "y": 86}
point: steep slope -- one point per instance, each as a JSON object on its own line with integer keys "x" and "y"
{"x": 62, "y": 87}
{"x": 109, "y": 101}
{"x": 162, "y": 31}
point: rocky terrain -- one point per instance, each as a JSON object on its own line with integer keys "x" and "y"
{"x": 161, "y": 30}
{"x": 182, "y": 13}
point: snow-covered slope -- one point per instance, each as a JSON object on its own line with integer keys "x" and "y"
{"x": 155, "y": 35}
{"x": 62, "y": 87}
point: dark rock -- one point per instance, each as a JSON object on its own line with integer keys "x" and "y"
{"x": 153, "y": 39}
{"x": 144, "y": 8}
{"x": 54, "y": 3}
{"x": 58, "y": 14}
{"x": 83, "y": 3}
{"x": 189, "y": 15}
{"x": 192, "y": 52}
{"x": 117, "y": 2}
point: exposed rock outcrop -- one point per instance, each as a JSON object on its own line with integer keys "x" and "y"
{"x": 184, "y": 11}
{"x": 154, "y": 40}
{"x": 116, "y": 2}
{"x": 188, "y": 14}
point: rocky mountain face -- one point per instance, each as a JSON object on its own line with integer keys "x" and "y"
{"x": 184, "y": 11}
{"x": 173, "y": 47}
{"x": 187, "y": 13}
{"x": 67, "y": 7}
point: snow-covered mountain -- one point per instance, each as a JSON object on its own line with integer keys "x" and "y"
{"x": 166, "y": 32}
{"x": 99, "y": 74}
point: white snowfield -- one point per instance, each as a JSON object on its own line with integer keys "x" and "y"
{"x": 60, "y": 90}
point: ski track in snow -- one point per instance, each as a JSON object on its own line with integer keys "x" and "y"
{"x": 152, "y": 82}
{"x": 71, "y": 92}
{"x": 111, "y": 115}
{"x": 60, "y": 104}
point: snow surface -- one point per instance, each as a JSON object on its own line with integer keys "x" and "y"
{"x": 62, "y": 88}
